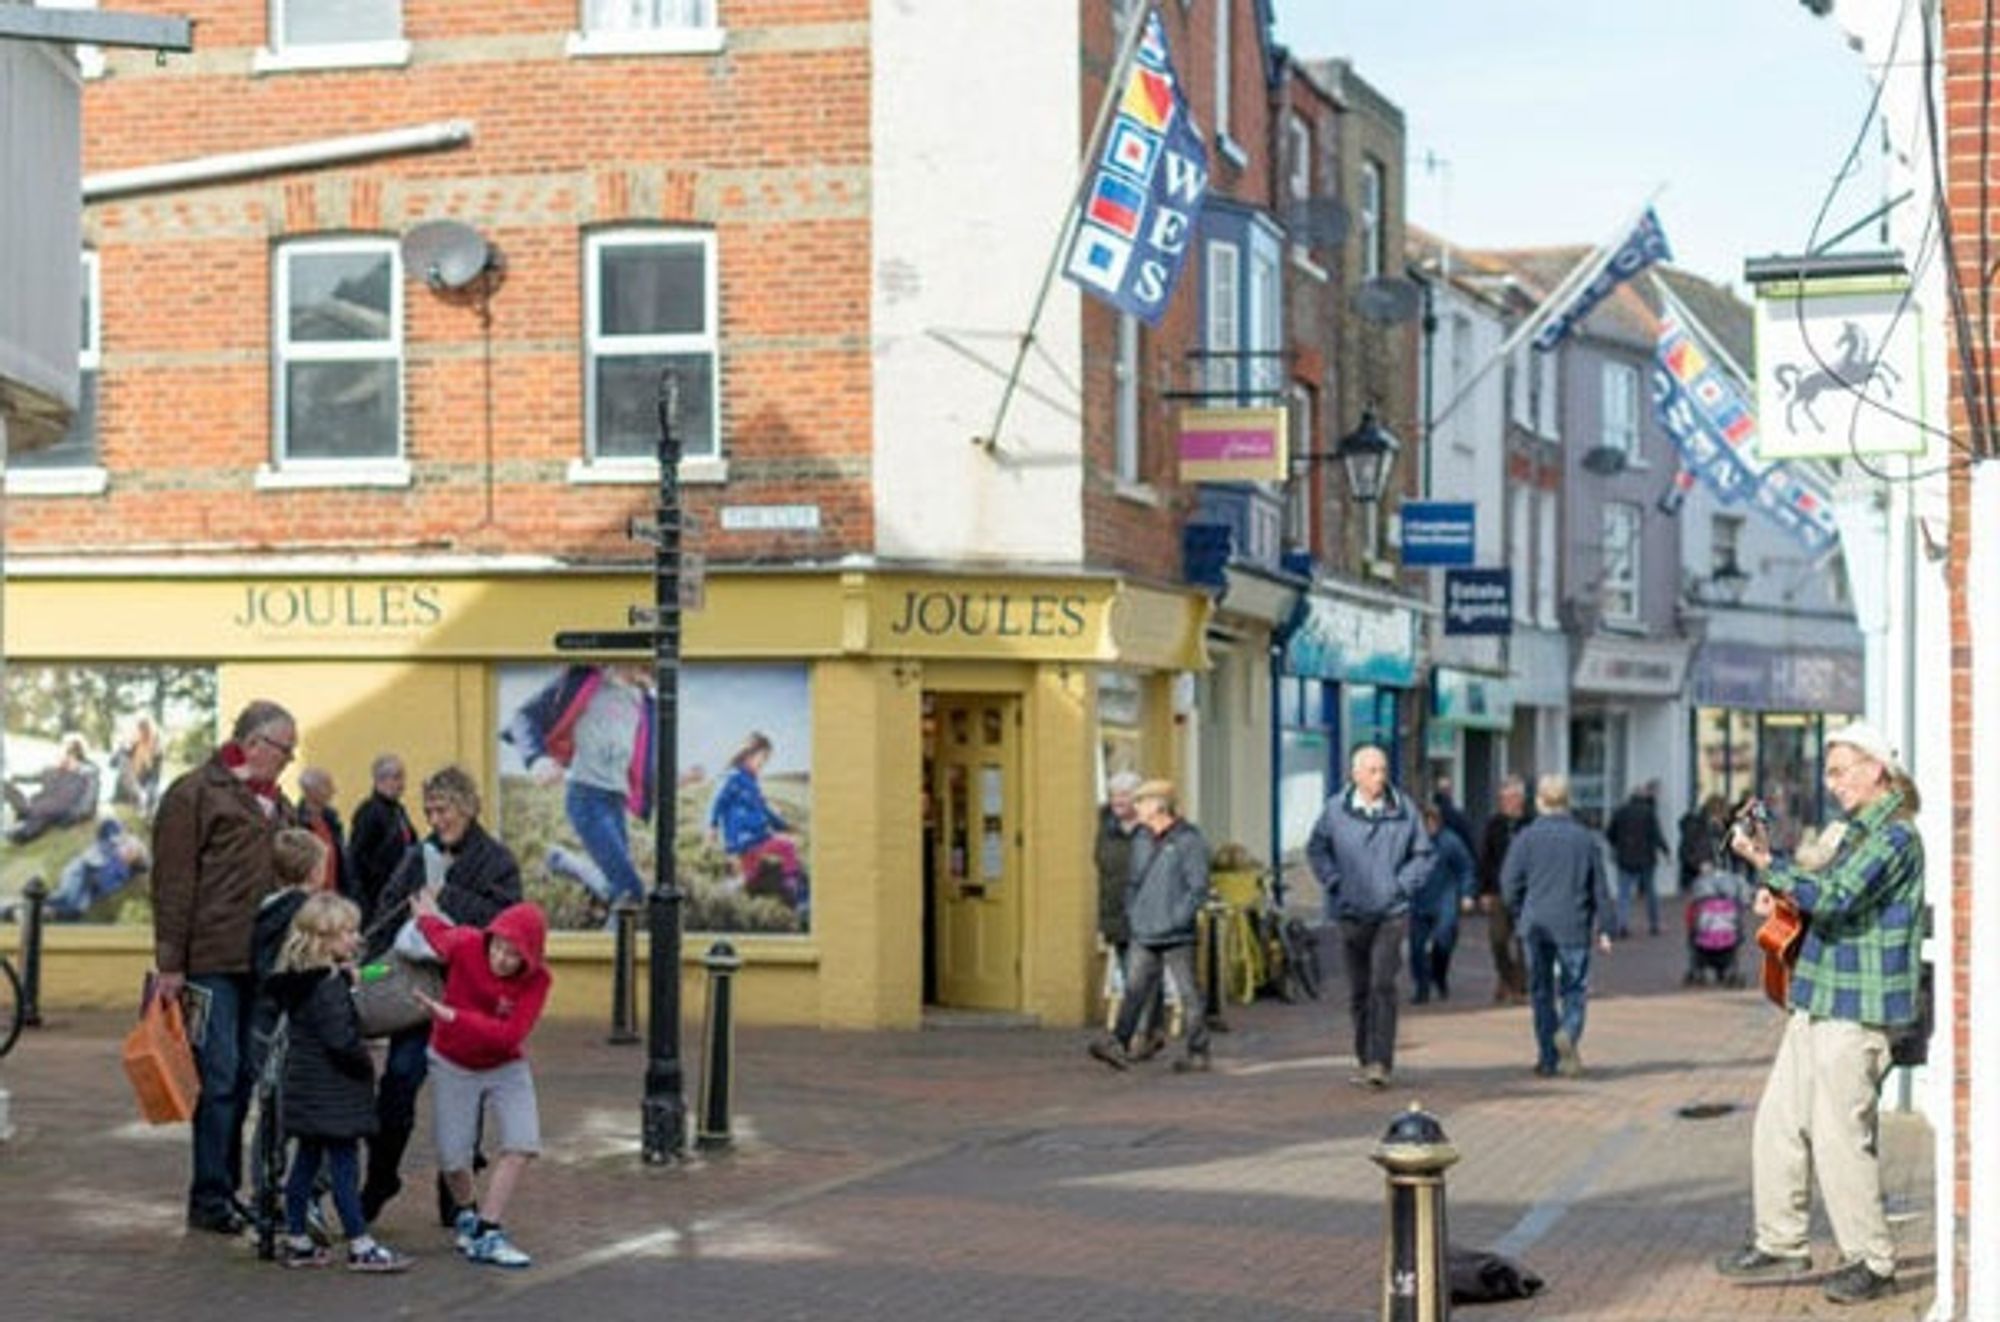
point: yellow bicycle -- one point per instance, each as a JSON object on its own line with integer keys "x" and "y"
{"x": 1263, "y": 948}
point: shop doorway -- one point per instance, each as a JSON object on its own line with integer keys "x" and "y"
{"x": 972, "y": 952}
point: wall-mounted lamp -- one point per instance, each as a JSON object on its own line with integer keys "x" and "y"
{"x": 1729, "y": 580}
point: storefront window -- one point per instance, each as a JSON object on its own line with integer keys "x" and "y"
{"x": 1597, "y": 766}
{"x": 1371, "y": 718}
{"x": 1789, "y": 776}
{"x": 1305, "y": 759}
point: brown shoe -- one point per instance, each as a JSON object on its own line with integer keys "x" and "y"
{"x": 1110, "y": 1052}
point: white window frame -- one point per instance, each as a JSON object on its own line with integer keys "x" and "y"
{"x": 1299, "y": 143}
{"x": 1126, "y": 467}
{"x": 709, "y": 466}
{"x": 1225, "y": 21}
{"x": 1620, "y": 410}
{"x": 1547, "y": 560}
{"x": 1725, "y": 534}
{"x": 1265, "y": 318}
{"x": 279, "y": 57}
{"x": 1298, "y": 477}
{"x": 283, "y": 471}
{"x": 1521, "y": 550}
{"x": 1374, "y": 192}
{"x": 1620, "y": 578}
{"x": 1222, "y": 296}
{"x": 76, "y": 479}
{"x": 1548, "y": 402}
{"x": 703, "y": 34}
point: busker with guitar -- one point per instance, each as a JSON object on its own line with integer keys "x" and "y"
{"x": 1855, "y": 980}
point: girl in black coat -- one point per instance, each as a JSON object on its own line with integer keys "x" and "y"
{"x": 329, "y": 1091}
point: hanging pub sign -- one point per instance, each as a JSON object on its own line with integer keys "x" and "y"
{"x": 1233, "y": 445}
{"x": 1837, "y": 369}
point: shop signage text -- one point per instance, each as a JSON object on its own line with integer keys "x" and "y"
{"x": 368, "y": 606}
{"x": 1479, "y": 601}
{"x": 1642, "y": 669}
{"x": 1233, "y": 445}
{"x": 1752, "y": 678}
{"x": 1352, "y": 640}
{"x": 987, "y": 614}
{"x": 1437, "y": 532}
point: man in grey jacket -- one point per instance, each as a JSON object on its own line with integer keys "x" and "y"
{"x": 1370, "y": 854}
{"x": 1553, "y": 883}
{"x": 1168, "y": 887}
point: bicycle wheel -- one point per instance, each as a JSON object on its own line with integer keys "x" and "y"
{"x": 1281, "y": 974}
{"x": 1302, "y": 956}
{"x": 1241, "y": 971}
{"x": 10, "y": 1005}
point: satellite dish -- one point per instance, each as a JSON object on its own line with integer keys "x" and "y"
{"x": 1387, "y": 301}
{"x": 1317, "y": 222}
{"x": 1604, "y": 460}
{"x": 448, "y": 254}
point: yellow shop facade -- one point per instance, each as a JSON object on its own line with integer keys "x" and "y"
{"x": 959, "y": 727}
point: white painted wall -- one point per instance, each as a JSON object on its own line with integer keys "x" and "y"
{"x": 977, "y": 130}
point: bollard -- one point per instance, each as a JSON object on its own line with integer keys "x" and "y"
{"x": 1216, "y": 912}
{"x": 624, "y": 979}
{"x": 1415, "y": 1153}
{"x": 718, "y": 1048}
{"x": 35, "y": 894}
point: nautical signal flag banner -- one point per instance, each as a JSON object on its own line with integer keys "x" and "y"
{"x": 1136, "y": 213}
{"x": 1646, "y": 244}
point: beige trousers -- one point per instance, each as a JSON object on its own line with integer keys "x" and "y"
{"x": 1817, "y": 1115}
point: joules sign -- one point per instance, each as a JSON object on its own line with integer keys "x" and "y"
{"x": 1233, "y": 445}
{"x": 319, "y": 606}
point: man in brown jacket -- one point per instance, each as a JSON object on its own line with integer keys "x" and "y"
{"x": 211, "y": 868}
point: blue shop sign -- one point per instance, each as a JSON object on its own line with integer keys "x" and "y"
{"x": 1437, "y": 532}
{"x": 1356, "y": 641}
{"x": 1479, "y": 601}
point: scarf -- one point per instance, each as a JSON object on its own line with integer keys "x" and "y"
{"x": 237, "y": 763}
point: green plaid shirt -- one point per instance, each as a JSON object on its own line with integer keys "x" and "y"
{"x": 1864, "y": 921}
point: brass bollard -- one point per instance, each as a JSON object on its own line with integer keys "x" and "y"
{"x": 1415, "y": 1153}
{"x": 34, "y": 895}
{"x": 718, "y": 1048}
{"x": 624, "y": 979}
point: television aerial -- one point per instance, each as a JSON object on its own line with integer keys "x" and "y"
{"x": 447, "y": 254}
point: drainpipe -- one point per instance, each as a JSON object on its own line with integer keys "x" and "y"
{"x": 438, "y": 136}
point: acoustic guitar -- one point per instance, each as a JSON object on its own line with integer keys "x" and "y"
{"x": 1784, "y": 928}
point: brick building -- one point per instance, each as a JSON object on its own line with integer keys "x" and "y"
{"x": 314, "y": 473}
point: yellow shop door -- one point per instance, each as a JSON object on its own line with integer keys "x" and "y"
{"x": 976, "y": 867}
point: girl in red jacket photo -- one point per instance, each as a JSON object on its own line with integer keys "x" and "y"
{"x": 496, "y": 983}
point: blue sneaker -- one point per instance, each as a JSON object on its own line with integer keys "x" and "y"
{"x": 495, "y": 1250}
{"x": 464, "y": 1230}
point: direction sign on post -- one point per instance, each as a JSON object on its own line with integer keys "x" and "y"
{"x": 1437, "y": 532}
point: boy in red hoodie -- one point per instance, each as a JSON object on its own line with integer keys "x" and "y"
{"x": 495, "y": 985}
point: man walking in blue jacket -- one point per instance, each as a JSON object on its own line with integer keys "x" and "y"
{"x": 1370, "y": 855}
{"x": 1553, "y": 883}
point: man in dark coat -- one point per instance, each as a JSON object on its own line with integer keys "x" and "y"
{"x": 382, "y": 833}
{"x": 1553, "y": 883}
{"x": 1117, "y": 824}
{"x": 1510, "y": 975}
{"x": 1168, "y": 887}
{"x": 1637, "y": 845}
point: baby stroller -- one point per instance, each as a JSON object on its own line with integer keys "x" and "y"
{"x": 1714, "y": 929}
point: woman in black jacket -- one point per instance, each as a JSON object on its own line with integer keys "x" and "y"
{"x": 475, "y": 877}
{"x": 329, "y": 1087}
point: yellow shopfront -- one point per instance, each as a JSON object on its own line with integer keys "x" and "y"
{"x": 931, "y": 753}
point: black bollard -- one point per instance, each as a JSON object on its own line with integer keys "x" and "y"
{"x": 718, "y": 1048}
{"x": 34, "y": 894}
{"x": 1215, "y": 911}
{"x": 624, "y": 980}
{"x": 1415, "y": 1153}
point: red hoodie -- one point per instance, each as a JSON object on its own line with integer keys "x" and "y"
{"x": 495, "y": 1015}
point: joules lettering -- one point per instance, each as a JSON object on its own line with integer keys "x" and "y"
{"x": 939, "y": 614}
{"x": 309, "y": 606}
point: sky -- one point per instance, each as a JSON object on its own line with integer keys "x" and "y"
{"x": 1554, "y": 120}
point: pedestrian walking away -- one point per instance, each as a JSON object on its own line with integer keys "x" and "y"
{"x": 1553, "y": 884}
{"x": 1856, "y": 982}
{"x": 1637, "y": 846}
{"x": 1370, "y": 855}
{"x": 1434, "y": 914}
{"x": 1117, "y": 824}
{"x": 1168, "y": 886}
{"x": 212, "y": 842}
{"x": 1510, "y": 968}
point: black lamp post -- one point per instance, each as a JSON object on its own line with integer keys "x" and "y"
{"x": 663, "y": 1114}
{"x": 1729, "y": 580}
{"x": 1368, "y": 453}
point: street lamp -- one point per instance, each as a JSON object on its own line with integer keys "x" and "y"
{"x": 1729, "y": 580}
{"x": 663, "y": 1114}
{"x": 1368, "y": 453}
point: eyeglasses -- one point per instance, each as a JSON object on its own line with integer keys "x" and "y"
{"x": 1841, "y": 769}
{"x": 287, "y": 749}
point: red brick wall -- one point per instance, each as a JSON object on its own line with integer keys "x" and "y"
{"x": 767, "y": 142}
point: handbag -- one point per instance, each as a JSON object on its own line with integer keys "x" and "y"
{"x": 160, "y": 1063}
{"x": 385, "y": 996}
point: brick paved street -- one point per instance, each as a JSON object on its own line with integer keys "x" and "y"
{"x": 977, "y": 1173}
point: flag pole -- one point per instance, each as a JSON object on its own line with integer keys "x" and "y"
{"x": 1579, "y": 277}
{"x": 1128, "y": 51}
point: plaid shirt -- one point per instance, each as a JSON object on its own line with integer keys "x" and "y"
{"x": 1864, "y": 921}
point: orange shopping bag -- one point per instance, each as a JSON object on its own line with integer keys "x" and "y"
{"x": 160, "y": 1063}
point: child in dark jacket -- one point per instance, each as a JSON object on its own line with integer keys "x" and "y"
{"x": 495, "y": 985}
{"x": 329, "y": 1095}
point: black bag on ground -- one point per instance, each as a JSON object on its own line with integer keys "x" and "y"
{"x": 1480, "y": 1276}
{"x": 1910, "y": 1044}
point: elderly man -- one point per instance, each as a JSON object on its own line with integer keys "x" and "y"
{"x": 211, "y": 869}
{"x": 382, "y": 832}
{"x": 1857, "y": 979}
{"x": 1510, "y": 975}
{"x": 1371, "y": 855}
{"x": 318, "y": 815}
{"x": 1552, "y": 882}
{"x": 1117, "y": 827}
{"x": 1168, "y": 886}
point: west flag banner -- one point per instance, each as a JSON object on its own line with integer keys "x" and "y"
{"x": 1645, "y": 245}
{"x": 1136, "y": 213}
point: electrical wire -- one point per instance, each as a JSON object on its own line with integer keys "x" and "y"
{"x": 1969, "y": 374}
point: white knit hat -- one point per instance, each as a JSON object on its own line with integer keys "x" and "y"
{"x": 1871, "y": 743}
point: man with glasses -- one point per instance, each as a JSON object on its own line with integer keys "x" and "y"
{"x": 1856, "y": 981}
{"x": 211, "y": 869}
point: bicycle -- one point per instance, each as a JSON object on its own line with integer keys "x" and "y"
{"x": 1263, "y": 948}
{"x": 13, "y": 1003}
